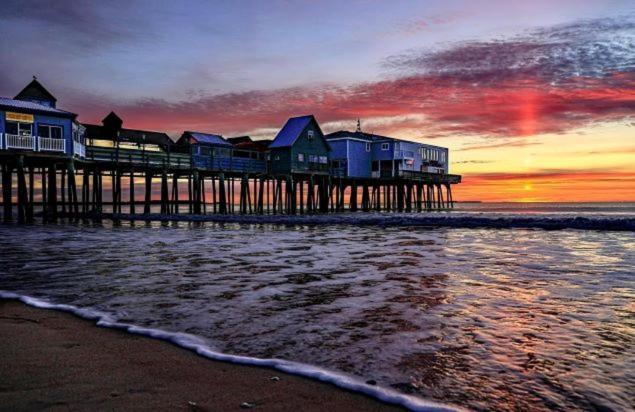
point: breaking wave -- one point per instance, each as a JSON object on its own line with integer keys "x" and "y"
{"x": 197, "y": 345}
{"x": 454, "y": 220}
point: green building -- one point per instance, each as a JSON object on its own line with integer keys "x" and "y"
{"x": 300, "y": 147}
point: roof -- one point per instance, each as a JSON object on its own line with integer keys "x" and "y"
{"x": 33, "y": 107}
{"x": 112, "y": 120}
{"x": 342, "y": 134}
{"x": 94, "y": 131}
{"x": 207, "y": 138}
{"x": 291, "y": 131}
{"x": 345, "y": 134}
{"x": 239, "y": 139}
{"x": 35, "y": 90}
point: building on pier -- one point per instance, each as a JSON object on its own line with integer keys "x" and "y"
{"x": 112, "y": 134}
{"x": 31, "y": 122}
{"x": 365, "y": 155}
{"x": 214, "y": 152}
{"x": 300, "y": 147}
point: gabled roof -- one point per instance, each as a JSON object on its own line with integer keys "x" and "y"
{"x": 207, "y": 138}
{"x": 35, "y": 90}
{"x": 32, "y": 107}
{"x": 292, "y": 129}
{"x": 112, "y": 120}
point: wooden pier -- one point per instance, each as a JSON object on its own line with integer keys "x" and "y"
{"x": 79, "y": 187}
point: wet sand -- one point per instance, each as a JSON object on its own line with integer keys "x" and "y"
{"x": 54, "y": 360}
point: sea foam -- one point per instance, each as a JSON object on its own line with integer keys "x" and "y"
{"x": 198, "y": 345}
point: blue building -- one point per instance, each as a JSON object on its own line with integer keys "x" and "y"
{"x": 31, "y": 122}
{"x": 212, "y": 151}
{"x": 364, "y": 155}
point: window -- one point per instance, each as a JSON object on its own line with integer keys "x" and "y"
{"x": 20, "y": 129}
{"x": 313, "y": 159}
{"x": 53, "y": 132}
{"x": 324, "y": 160}
{"x": 385, "y": 146}
{"x": 206, "y": 151}
{"x": 335, "y": 164}
{"x": 310, "y": 134}
{"x": 301, "y": 157}
{"x": 368, "y": 146}
{"x": 276, "y": 157}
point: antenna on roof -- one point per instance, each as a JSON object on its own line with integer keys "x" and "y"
{"x": 34, "y": 77}
{"x": 359, "y": 126}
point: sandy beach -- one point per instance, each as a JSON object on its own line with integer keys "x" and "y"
{"x": 54, "y": 360}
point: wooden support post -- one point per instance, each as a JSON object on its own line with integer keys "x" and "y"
{"x": 268, "y": 196}
{"x": 132, "y": 193}
{"x": 148, "y": 194}
{"x": 353, "y": 198}
{"x": 196, "y": 189}
{"x": 175, "y": 193}
{"x": 450, "y": 197}
{"x": 204, "y": 195}
{"x": 261, "y": 195}
{"x": 22, "y": 191}
{"x": 164, "y": 192}
{"x": 408, "y": 197}
{"x": 419, "y": 197}
{"x": 29, "y": 212}
{"x": 189, "y": 193}
{"x": 73, "y": 206}
{"x": 221, "y": 193}
{"x": 52, "y": 189}
{"x": 7, "y": 182}
{"x": 365, "y": 198}
{"x": 439, "y": 197}
{"x": 63, "y": 189}
{"x": 301, "y": 191}
{"x": 85, "y": 189}
{"x": 44, "y": 192}
{"x": 214, "y": 206}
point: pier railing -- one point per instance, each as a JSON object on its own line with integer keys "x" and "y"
{"x": 79, "y": 149}
{"x": 15, "y": 141}
{"x": 49, "y": 144}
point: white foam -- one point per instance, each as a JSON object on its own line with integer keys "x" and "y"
{"x": 197, "y": 345}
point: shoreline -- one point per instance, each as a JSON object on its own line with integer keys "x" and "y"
{"x": 440, "y": 219}
{"x": 55, "y": 359}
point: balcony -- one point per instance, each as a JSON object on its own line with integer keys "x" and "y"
{"x": 14, "y": 141}
{"x": 79, "y": 149}
{"x": 49, "y": 144}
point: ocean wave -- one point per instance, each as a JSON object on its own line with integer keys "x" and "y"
{"x": 453, "y": 220}
{"x": 197, "y": 345}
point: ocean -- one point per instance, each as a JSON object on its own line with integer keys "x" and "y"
{"x": 481, "y": 318}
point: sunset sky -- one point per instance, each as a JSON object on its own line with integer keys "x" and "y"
{"x": 536, "y": 100}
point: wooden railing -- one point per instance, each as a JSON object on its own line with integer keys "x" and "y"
{"x": 15, "y": 141}
{"x": 49, "y": 144}
{"x": 79, "y": 149}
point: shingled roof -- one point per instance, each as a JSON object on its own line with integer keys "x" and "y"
{"x": 205, "y": 138}
{"x": 32, "y": 107}
{"x": 290, "y": 132}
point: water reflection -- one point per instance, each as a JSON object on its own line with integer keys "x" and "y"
{"x": 489, "y": 319}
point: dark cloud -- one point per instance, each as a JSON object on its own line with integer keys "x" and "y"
{"x": 76, "y": 24}
{"x": 592, "y": 48}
